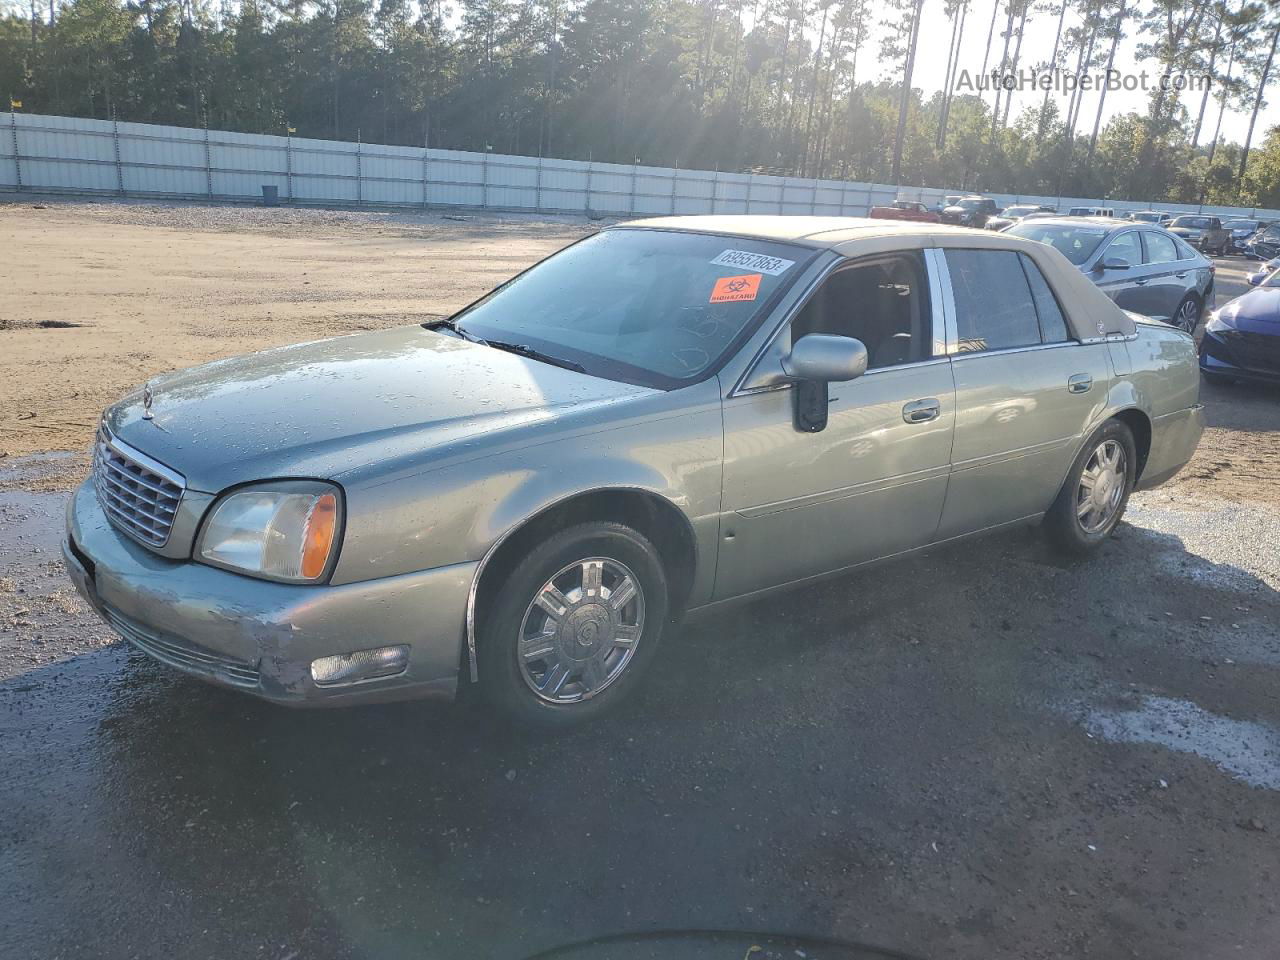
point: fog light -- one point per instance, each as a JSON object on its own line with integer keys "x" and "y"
{"x": 360, "y": 665}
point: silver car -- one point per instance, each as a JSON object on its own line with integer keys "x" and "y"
{"x": 1140, "y": 266}
{"x": 668, "y": 415}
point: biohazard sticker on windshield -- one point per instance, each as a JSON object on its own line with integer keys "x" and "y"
{"x": 734, "y": 289}
{"x": 746, "y": 260}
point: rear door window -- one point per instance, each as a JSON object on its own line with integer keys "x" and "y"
{"x": 995, "y": 309}
{"x": 1160, "y": 248}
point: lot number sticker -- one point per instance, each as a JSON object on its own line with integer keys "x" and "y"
{"x": 746, "y": 260}
{"x": 734, "y": 289}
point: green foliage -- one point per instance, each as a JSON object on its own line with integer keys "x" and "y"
{"x": 779, "y": 86}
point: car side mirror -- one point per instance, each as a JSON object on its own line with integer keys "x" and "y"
{"x": 814, "y": 361}
{"x": 1255, "y": 279}
{"x": 1114, "y": 263}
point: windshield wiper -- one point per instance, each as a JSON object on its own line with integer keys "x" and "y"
{"x": 524, "y": 350}
{"x": 452, "y": 326}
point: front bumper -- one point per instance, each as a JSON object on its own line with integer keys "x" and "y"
{"x": 260, "y": 637}
{"x": 1232, "y": 357}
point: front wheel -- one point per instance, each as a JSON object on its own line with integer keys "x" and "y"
{"x": 1096, "y": 491}
{"x": 574, "y": 626}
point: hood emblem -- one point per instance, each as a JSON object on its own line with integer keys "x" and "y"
{"x": 146, "y": 403}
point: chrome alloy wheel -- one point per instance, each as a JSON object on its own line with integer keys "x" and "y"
{"x": 1188, "y": 317}
{"x": 1101, "y": 487}
{"x": 580, "y": 630}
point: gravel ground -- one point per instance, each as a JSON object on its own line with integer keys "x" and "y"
{"x": 1030, "y": 759}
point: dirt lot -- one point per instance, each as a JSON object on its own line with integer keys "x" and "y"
{"x": 1030, "y": 759}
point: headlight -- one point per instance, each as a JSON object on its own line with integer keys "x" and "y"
{"x": 282, "y": 530}
{"x": 1217, "y": 323}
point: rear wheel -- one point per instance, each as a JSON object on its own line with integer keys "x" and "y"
{"x": 1188, "y": 316}
{"x": 1096, "y": 491}
{"x": 574, "y": 626}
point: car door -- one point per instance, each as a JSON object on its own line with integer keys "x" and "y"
{"x": 871, "y": 483}
{"x": 1128, "y": 288}
{"x": 1167, "y": 280}
{"x": 1025, "y": 390}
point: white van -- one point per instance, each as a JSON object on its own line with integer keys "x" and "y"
{"x": 1091, "y": 212}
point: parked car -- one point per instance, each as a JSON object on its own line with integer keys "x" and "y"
{"x": 949, "y": 201}
{"x": 1202, "y": 232}
{"x": 1157, "y": 217}
{"x": 1241, "y": 230}
{"x": 971, "y": 211}
{"x": 1265, "y": 244}
{"x": 1141, "y": 267}
{"x": 1263, "y": 271}
{"x": 905, "y": 210}
{"x": 1011, "y": 215}
{"x": 666, "y": 415}
{"x": 1091, "y": 212}
{"x": 1242, "y": 339}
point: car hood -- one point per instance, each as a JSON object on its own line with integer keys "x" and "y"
{"x": 335, "y": 407}
{"x": 956, "y": 211}
{"x": 1257, "y": 311}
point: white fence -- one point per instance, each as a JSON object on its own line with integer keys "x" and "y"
{"x": 48, "y": 154}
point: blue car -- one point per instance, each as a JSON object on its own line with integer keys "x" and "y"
{"x": 1242, "y": 339}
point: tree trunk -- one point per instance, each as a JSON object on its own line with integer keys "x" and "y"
{"x": 946, "y": 81}
{"x": 1053, "y": 65}
{"x": 1102, "y": 98}
{"x": 949, "y": 92}
{"x": 1257, "y": 105}
{"x": 1017, "y": 57}
{"x": 813, "y": 91}
{"x": 1004, "y": 55}
{"x": 905, "y": 100}
{"x": 991, "y": 32}
{"x": 1204, "y": 99}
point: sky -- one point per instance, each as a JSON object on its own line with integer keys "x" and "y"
{"x": 931, "y": 66}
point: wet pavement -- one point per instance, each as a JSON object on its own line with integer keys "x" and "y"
{"x": 1029, "y": 758}
{"x": 983, "y": 751}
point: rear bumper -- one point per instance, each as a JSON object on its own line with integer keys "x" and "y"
{"x": 1174, "y": 438}
{"x": 260, "y": 637}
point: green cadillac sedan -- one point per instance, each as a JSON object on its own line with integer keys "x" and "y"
{"x": 669, "y": 415}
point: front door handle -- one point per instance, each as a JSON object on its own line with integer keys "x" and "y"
{"x": 1080, "y": 383}
{"x": 1181, "y": 275}
{"x": 922, "y": 411}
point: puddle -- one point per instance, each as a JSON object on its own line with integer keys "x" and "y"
{"x": 1248, "y": 751}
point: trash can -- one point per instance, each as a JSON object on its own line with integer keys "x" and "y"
{"x": 270, "y": 195}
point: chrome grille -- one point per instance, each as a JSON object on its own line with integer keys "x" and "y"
{"x": 140, "y": 496}
{"x": 177, "y": 652}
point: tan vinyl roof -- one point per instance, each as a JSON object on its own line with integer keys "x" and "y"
{"x": 809, "y": 231}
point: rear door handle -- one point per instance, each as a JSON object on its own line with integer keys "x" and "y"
{"x": 1079, "y": 383}
{"x": 1181, "y": 275}
{"x": 922, "y": 411}
{"x": 1141, "y": 283}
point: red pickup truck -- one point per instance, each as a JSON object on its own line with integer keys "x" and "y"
{"x": 905, "y": 210}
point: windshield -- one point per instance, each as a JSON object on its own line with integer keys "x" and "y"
{"x": 1147, "y": 217}
{"x": 1241, "y": 224}
{"x": 972, "y": 203}
{"x": 653, "y": 307}
{"x": 1198, "y": 223}
{"x": 1077, "y": 244}
{"x": 1019, "y": 211}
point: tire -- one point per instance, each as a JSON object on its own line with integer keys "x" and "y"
{"x": 1078, "y": 534}
{"x": 579, "y": 654}
{"x": 1188, "y": 321}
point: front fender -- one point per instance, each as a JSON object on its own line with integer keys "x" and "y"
{"x": 667, "y": 444}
